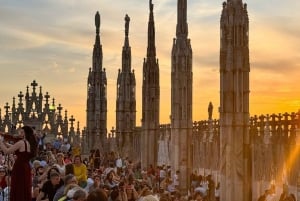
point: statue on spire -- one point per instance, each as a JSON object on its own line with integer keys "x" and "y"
{"x": 97, "y": 21}
{"x": 151, "y": 6}
{"x": 127, "y": 20}
{"x": 210, "y": 110}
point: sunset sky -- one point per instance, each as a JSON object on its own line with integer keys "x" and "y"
{"x": 51, "y": 41}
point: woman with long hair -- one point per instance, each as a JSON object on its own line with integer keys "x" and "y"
{"x": 25, "y": 149}
{"x": 60, "y": 164}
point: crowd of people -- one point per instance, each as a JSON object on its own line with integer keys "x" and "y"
{"x": 57, "y": 172}
{"x": 33, "y": 171}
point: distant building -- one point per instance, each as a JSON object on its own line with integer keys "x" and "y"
{"x": 38, "y": 111}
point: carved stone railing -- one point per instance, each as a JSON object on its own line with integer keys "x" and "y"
{"x": 275, "y": 142}
{"x": 275, "y": 147}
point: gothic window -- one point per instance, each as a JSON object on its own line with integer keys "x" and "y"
{"x": 118, "y": 91}
{"x": 128, "y": 122}
{"x": 20, "y": 117}
{"x": 33, "y": 106}
{"x": 6, "y": 129}
{"x": 19, "y": 125}
{"x": 89, "y": 87}
{"x": 152, "y": 112}
{"x": 180, "y": 112}
{"x": 133, "y": 92}
{"x": 44, "y": 126}
{"x": 184, "y": 102}
{"x": 103, "y": 91}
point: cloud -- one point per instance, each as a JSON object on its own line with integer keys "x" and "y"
{"x": 52, "y": 41}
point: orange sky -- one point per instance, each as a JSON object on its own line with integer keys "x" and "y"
{"x": 51, "y": 41}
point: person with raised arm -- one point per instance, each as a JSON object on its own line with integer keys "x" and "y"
{"x": 25, "y": 149}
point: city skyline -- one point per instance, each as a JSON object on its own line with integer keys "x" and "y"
{"x": 58, "y": 40}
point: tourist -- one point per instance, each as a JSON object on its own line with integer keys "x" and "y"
{"x": 60, "y": 164}
{"x": 114, "y": 195}
{"x": 69, "y": 169}
{"x": 69, "y": 192}
{"x": 109, "y": 180}
{"x": 147, "y": 179}
{"x": 3, "y": 183}
{"x": 79, "y": 195}
{"x": 50, "y": 187}
{"x": 162, "y": 173}
{"x": 198, "y": 197}
{"x": 97, "y": 183}
{"x": 164, "y": 184}
{"x": 97, "y": 195}
{"x": 122, "y": 196}
{"x": 69, "y": 179}
{"x": 80, "y": 171}
{"x": 97, "y": 159}
{"x": 211, "y": 188}
{"x": 217, "y": 192}
{"x": 65, "y": 147}
{"x": 119, "y": 163}
{"x": 147, "y": 195}
{"x": 67, "y": 158}
{"x": 3, "y": 178}
{"x": 76, "y": 149}
{"x": 57, "y": 144}
{"x": 132, "y": 194}
{"x": 25, "y": 149}
{"x": 176, "y": 180}
{"x": 92, "y": 158}
{"x": 40, "y": 138}
{"x": 39, "y": 177}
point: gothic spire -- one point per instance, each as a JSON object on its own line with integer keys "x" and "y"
{"x": 182, "y": 26}
{"x": 151, "y": 51}
{"x": 126, "y": 54}
{"x": 97, "y": 52}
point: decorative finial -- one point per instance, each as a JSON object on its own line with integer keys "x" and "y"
{"x": 127, "y": 20}
{"x": 97, "y": 21}
{"x": 151, "y": 5}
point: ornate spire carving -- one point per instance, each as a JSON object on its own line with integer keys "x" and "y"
{"x": 126, "y": 103}
{"x": 97, "y": 52}
{"x": 97, "y": 22}
{"x": 126, "y": 54}
{"x": 127, "y": 20}
{"x": 151, "y": 51}
{"x": 182, "y": 26}
{"x": 96, "y": 94}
